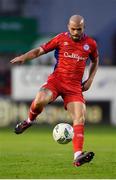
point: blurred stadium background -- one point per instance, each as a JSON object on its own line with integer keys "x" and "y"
{"x": 25, "y": 24}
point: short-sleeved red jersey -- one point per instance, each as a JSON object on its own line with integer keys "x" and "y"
{"x": 71, "y": 56}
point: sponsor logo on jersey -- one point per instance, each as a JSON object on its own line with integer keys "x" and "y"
{"x": 86, "y": 47}
{"x": 74, "y": 56}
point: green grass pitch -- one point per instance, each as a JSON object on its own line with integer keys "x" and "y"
{"x": 35, "y": 155}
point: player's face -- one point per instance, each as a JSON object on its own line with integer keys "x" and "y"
{"x": 76, "y": 30}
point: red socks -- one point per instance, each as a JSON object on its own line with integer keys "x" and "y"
{"x": 78, "y": 139}
{"x": 33, "y": 112}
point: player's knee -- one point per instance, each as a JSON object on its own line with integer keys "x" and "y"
{"x": 40, "y": 100}
{"x": 38, "y": 103}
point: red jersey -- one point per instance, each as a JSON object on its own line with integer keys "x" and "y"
{"x": 71, "y": 56}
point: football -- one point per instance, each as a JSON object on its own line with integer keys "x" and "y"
{"x": 63, "y": 133}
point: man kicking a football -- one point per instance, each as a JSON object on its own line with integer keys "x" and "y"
{"x": 72, "y": 50}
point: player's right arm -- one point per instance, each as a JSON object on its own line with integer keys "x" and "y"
{"x": 34, "y": 53}
{"x": 28, "y": 56}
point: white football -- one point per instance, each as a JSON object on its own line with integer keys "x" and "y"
{"x": 63, "y": 133}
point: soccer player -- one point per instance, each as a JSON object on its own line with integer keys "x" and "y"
{"x": 72, "y": 50}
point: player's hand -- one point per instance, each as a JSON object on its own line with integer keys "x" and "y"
{"x": 19, "y": 59}
{"x": 86, "y": 84}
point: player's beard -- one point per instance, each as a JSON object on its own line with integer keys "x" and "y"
{"x": 76, "y": 38}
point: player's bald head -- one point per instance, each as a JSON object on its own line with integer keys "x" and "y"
{"x": 76, "y": 26}
{"x": 77, "y": 19}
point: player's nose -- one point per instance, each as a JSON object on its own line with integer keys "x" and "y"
{"x": 76, "y": 32}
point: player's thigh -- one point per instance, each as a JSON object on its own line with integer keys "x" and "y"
{"x": 44, "y": 96}
{"x": 77, "y": 112}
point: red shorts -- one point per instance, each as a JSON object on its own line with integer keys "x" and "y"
{"x": 68, "y": 90}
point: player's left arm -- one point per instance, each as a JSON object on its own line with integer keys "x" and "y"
{"x": 93, "y": 69}
{"x": 94, "y": 57}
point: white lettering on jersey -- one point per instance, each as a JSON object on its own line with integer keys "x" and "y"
{"x": 74, "y": 56}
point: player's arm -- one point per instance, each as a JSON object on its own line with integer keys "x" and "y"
{"x": 34, "y": 53}
{"x": 28, "y": 56}
{"x": 94, "y": 57}
{"x": 93, "y": 69}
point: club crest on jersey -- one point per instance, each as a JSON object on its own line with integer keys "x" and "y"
{"x": 86, "y": 47}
